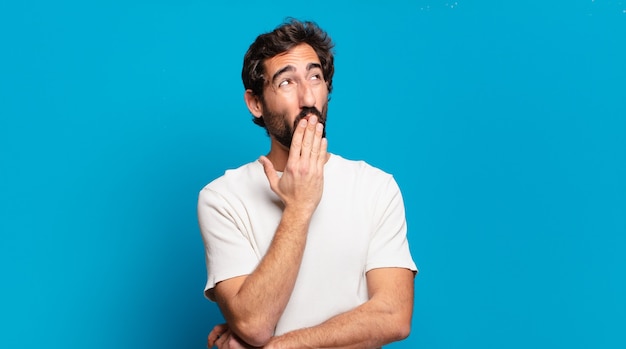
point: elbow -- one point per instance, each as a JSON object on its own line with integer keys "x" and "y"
{"x": 403, "y": 330}
{"x": 253, "y": 333}
{"x": 400, "y": 329}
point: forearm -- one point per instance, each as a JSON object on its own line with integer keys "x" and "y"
{"x": 255, "y": 308}
{"x": 368, "y": 326}
{"x": 384, "y": 318}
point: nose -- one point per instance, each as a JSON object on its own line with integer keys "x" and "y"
{"x": 306, "y": 95}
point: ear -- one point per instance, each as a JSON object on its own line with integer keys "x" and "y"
{"x": 254, "y": 103}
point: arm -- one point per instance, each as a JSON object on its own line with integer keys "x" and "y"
{"x": 384, "y": 318}
{"x": 253, "y": 304}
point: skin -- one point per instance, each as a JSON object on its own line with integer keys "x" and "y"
{"x": 253, "y": 304}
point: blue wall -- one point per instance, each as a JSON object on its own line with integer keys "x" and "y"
{"x": 504, "y": 124}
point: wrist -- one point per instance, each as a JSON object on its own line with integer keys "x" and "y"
{"x": 298, "y": 213}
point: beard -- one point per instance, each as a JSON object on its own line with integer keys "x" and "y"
{"x": 278, "y": 127}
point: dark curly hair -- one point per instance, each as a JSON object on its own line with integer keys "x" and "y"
{"x": 286, "y": 36}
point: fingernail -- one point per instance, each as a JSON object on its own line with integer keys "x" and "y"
{"x": 319, "y": 127}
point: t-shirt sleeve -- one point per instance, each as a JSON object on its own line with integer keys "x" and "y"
{"x": 389, "y": 246}
{"x": 228, "y": 251}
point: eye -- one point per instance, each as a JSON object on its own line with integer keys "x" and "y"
{"x": 316, "y": 79}
{"x": 284, "y": 83}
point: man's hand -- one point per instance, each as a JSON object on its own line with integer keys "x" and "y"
{"x": 302, "y": 182}
{"x": 223, "y": 338}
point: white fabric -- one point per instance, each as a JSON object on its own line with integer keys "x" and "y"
{"x": 359, "y": 225}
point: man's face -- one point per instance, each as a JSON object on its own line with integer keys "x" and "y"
{"x": 295, "y": 88}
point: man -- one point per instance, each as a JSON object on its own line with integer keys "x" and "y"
{"x": 304, "y": 249}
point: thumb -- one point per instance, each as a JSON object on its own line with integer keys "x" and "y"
{"x": 270, "y": 172}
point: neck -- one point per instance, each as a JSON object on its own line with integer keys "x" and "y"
{"x": 278, "y": 155}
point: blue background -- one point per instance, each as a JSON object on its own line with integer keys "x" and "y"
{"x": 504, "y": 124}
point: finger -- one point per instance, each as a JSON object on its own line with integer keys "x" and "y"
{"x": 216, "y": 332}
{"x": 270, "y": 172}
{"x": 296, "y": 141}
{"x": 222, "y": 341}
{"x": 317, "y": 141}
{"x": 307, "y": 140}
{"x": 323, "y": 156}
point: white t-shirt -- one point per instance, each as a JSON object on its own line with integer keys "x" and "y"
{"x": 358, "y": 225}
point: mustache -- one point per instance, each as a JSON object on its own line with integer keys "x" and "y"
{"x": 306, "y": 111}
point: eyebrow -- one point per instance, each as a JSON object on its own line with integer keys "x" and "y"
{"x": 290, "y": 68}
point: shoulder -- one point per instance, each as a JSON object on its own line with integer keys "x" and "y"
{"x": 359, "y": 180}
{"x": 237, "y": 180}
{"x": 356, "y": 170}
